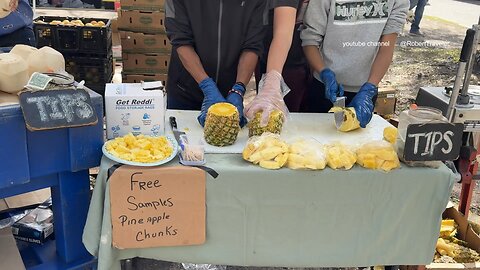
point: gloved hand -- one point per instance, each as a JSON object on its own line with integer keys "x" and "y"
{"x": 332, "y": 88}
{"x": 235, "y": 97}
{"x": 363, "y": 103}
{"x": 211, "y": 95}
{"x": 268, "y": 99}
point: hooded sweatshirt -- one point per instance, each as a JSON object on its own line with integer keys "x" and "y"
{"x": 18, "y": 19}
{"x": 347, "y": 33}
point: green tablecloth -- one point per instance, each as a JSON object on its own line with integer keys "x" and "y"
{"x": 328, "y": 218}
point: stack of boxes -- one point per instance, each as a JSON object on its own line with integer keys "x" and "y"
{"x": 145, "y": 47}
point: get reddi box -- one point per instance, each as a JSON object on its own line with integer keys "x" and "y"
{"x": 137, "y": 108}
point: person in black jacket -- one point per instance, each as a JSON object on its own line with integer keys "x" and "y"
{"x": 216, "y": 46}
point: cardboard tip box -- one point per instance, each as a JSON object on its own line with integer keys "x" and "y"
{"x": 386, "y": 101}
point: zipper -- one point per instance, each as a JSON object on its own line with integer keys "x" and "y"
{"x": 220, "y": 15}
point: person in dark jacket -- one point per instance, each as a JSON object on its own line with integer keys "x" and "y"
{"x": 283, "y": 60}
{"x": 17, "y": 26}
{"x": 216, "y": 46}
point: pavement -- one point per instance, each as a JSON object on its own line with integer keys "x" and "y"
{"x": 463, "y": 12}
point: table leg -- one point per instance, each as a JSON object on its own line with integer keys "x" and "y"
{"x": 70, "y": 200}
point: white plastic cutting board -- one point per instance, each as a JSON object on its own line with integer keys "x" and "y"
{"x": 320, "y": 127}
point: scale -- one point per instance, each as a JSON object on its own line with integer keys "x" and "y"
{"x": 460, "y": 103}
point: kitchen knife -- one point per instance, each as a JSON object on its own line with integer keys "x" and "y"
{"x": 338, "y": 116}
{"x": 340, "y": 102}
{"x": 176, "y": 132}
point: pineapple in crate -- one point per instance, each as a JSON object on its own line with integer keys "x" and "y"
{"x": 222, "y": 124}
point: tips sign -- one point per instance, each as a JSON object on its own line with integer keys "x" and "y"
{"x": 429, "y": 142}
{"x": 57, "y": 109}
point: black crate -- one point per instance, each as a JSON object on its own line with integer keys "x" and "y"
{"x": 95, "y": 71}
{"x": 74, "y": 39}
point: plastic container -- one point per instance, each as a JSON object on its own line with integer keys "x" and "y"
{"x": 191, "y": 154}
{"x": 95, "y": 71}
{"x": 416, "y": 115}
{"x": 74, "y": 39}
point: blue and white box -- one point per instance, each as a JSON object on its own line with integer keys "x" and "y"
{"x": 137, "y": 108}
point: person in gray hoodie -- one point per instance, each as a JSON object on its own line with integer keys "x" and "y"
{"x": 349, "y": 45}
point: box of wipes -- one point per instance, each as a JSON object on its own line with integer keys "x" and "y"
{"x": 137, "y": 108}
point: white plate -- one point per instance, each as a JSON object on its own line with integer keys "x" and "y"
{"x": 173, "y": 143}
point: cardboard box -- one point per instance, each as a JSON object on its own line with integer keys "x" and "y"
{"x": 9, "y": 255}
{"x": 137, "y": 78}
{"x": 142, "y": 21}
{"x": 145, "y": 63}
{"x": 24, "y": 200}
{"x": 134, "y": 108}
{"x": 114, "y": 24}
{"x": 386, "y": 101}
{"x": 145, "y": 5}
{"x": 145, "y": 43}
{"x": 465, "y": 233}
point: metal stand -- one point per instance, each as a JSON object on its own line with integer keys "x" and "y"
{"x": 467, "y": 166}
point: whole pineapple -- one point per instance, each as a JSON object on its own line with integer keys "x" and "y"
{"x": 222, "y": 124}
{"x": 274, "y": 125}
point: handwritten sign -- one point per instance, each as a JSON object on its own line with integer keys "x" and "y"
{"x": 161, "y": 206}
{"x": 57, "y": 109}
{"x": 429, "y": 142}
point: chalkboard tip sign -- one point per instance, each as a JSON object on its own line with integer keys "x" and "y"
{"x": 433, "y": 142}
{"x": 53, "y": 109}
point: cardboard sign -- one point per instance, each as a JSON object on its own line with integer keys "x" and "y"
{"x": 57, "y": 109}
{"x": 429, "y": 142}
{"x": 153, "y": 207}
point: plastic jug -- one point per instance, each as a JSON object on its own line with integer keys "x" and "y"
{"x": 416, "y": 115}
{"x": 46, "y": 59}
{"x": 13, "y": 73}
{"x": 23, "y": 51}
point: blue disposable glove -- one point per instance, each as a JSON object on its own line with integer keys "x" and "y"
{"x": 211, "y": 95}
{"x": 235, "y": 97}
{"x": 332, "y": 88}
{"x": 363, "y": 103}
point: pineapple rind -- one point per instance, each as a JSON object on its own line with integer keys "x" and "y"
{"x": 222, "y": 125}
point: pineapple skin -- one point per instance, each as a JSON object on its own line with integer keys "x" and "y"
{"x": 221, "y": 130}
{"x": 275, "y": 124}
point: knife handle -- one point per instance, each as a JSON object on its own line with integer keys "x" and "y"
{"x": 173, "y": 122}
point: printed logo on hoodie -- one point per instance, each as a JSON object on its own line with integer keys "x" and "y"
{"x": 361, "y": 11}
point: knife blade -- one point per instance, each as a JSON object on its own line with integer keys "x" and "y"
{"x": 340, "y": 102}
{"x": 176, "y": 132}
{"x": 338, "y": 116}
